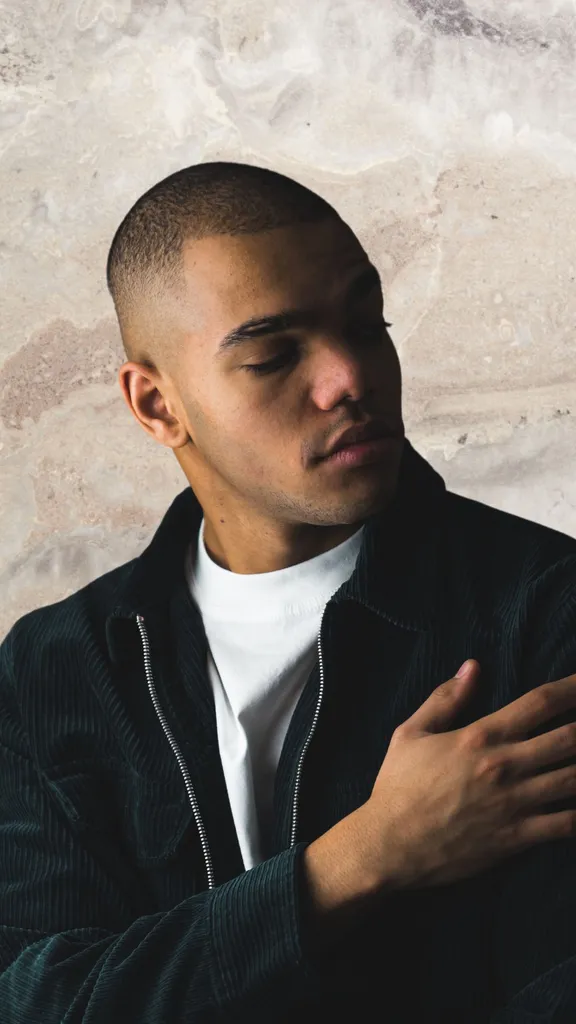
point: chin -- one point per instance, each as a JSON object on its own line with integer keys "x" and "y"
{"x": 348, "y": 509}
{"x": 370, "y": 506}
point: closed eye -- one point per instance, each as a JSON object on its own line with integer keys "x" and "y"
{"x": 282, "y": 360}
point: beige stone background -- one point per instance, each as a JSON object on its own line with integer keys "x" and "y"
{"x": 443, "y": 130}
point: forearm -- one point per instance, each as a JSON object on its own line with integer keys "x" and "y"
{"x": 205, "y": 960}
{"x": 338, "y": 887}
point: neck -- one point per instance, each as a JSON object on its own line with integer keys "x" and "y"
{"x": 241, "y": 548}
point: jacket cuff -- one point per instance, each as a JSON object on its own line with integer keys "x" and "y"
{"x": 255, "y": 928}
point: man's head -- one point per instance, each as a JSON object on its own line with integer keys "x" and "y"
{"x": 252, "y": 322}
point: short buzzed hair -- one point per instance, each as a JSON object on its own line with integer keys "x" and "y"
{"x": 145, "y": 257}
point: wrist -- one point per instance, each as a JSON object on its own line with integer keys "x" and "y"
{"x": 339, "y": 868}
{"x": 339, "y": 886}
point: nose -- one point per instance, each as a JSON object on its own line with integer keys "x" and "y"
{"x": 341, "y": 370}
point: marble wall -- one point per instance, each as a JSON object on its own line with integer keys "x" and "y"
{"x": 443, "y": 130}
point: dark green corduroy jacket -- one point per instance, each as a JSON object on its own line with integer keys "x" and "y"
{"x": 122, "y": 891}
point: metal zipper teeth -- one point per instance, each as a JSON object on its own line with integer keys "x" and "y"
{"x": 308, "y": 741}
{"x": 177, "y": 753}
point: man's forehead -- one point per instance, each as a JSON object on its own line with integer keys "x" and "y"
{"x": 297, "y": 259}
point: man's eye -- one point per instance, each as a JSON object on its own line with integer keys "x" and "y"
{"x": 259, "y": 369}
{"x": 279, "y": 362}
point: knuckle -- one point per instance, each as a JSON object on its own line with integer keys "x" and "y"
{"x": 543, "y": 699}
{"x": 571, "y": 734}
{"x": 516, "y": 829}
{"x": 511, "y": 837}
{"x": 566, "y": 738}
{"x": 401, "y": 731}
{"x": 493, "y": 768}
{"x": 476, "y": 737}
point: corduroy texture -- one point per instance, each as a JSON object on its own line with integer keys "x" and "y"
{"x": 105, "y": 911}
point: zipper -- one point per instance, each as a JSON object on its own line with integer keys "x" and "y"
{"x": 184, "y": 768}
{"x": 177, "y": 753}
{"x": 308, "y": 741}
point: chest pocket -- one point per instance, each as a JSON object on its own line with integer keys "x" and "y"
{"x": 145, "y": 820}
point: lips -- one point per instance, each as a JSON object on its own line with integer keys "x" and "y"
{"x": 358, "y": 433}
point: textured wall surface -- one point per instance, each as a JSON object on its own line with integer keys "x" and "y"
{"x": 443, "y": 130}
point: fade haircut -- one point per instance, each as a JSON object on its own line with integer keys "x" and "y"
{"x": 145, "y": 258}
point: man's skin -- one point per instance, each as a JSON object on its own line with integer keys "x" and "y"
{"x": 249, "y": 445}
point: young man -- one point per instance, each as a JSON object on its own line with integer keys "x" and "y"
{"x": 230, "y": 788}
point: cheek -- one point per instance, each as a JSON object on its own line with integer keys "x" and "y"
{"x": 260, "y": 448}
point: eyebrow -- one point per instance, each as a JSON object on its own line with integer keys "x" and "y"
{"x": 288, "y": 319}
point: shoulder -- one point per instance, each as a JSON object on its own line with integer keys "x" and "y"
{"x": 74, "y": 623}
{"x": 502, "y": 542}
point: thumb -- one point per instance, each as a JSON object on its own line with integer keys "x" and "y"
{"x": 441, "y": 707}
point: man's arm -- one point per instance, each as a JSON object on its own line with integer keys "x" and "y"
{"x": 71, "y": 949}
{"x": 534, "y": 924}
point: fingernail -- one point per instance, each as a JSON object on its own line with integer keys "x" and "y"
{"x": 463, "y": 670}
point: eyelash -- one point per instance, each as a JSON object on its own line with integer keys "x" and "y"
{"x": 261, "y": 369}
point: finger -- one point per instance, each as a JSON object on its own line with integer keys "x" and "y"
{"x": 444, "y": 703}
{"x": 523, "y": 715}
{"x": 550, "y": 747}
{"x": 541, "y": 828}
{"x": 546, "y": 788}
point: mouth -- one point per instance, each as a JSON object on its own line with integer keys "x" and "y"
{"x": 361, "y": 433}
{"x": 363, "y": 453}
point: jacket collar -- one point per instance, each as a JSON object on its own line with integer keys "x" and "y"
{"x": 395, "y": 574}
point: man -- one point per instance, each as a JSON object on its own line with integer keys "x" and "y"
{"x": 230, "y": 788}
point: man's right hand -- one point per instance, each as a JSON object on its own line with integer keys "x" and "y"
{"x": 447, "y": 805}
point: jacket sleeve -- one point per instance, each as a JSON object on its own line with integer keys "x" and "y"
{"x": 534, "y": 927}
{"x": 226, "y": 954}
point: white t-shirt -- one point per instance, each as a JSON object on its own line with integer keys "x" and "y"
{"x": 262, "y": 634}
